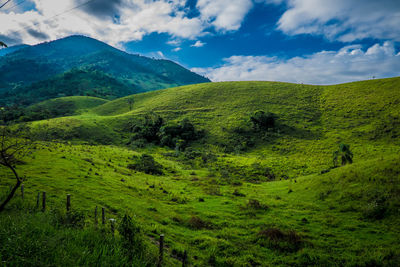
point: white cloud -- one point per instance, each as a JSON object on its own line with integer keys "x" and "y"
{"x": 136, "y": 18}
{"x": 119, "y": 21}
{"x": 198, "y": 44}
{"x": 224, "y": 15}
{"x": 177, "y": 49}
{"x": 350, "y": 63}
{"x": 345, "y": 20}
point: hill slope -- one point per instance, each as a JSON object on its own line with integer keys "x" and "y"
{"x": 274, "y": 201}
{"x": 18, "y": 70}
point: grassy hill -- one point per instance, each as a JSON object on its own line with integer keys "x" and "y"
{"x": 235, "y": 197}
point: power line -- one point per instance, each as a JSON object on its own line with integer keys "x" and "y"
{"x": 5, "y": 3}
{"x": 57, "y": 15}
{"x": 17, "y": 4}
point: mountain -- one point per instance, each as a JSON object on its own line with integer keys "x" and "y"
{"x": 11, "y": 49}
{"x": 47, "y": 62}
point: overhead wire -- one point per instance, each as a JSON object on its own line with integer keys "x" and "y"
{"x": 17, "y": 4}
{"x": 5, "y": 3}
{"x": 52, "y": 17}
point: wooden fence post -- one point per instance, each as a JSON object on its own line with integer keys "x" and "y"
{"x": 38, "y": 200}
{"x": 161, "y": 252}
{"x": 184, "y": 260}
{"x": 43, "y": 201}
{"x": 95, "y": 215}
{"x": 112, "y": 221}
{"x": 68, "y": 202}
{"x": 103, "y": 216}
{"x": 22, "y": 191}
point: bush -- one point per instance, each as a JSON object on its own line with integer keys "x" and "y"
{"x": 179, "y": 135}
{"x": 263, "y": 121}
{"x": 148, "y": 128}
{"x": 376, "y": 209}
{"x": 132, "y": 236}
{"x": 146, "y": 163}
{"x": 344, "y": 154}
{"x": 197, "y": 223}
{"x": 284, "y": 241}
{"x": 256, "y": 205}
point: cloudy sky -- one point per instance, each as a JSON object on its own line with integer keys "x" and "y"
{"x": 303, "y": 41}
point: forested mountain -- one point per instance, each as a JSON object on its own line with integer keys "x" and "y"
{"x": 82, "y": 59}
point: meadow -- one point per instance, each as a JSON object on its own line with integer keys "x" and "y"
{"x": 234, "y": 197}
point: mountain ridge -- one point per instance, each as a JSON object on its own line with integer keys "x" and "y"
{"x": 25, "y": 66}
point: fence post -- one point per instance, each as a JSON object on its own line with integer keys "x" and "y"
{"x": 22, "y": 191}
{"x": 95, "y": 215}
{"x": 43, "y": 201}
{"x": 68, "y": 202}
{"x": 112, "y": 221}
{"x": 103, "y": 216}
{"x": 38, "y": 200}
{"x": 161, "y": 252}
{"x": 184, "y": 260}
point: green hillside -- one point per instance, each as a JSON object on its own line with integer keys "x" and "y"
{"x": 237, "y": 196}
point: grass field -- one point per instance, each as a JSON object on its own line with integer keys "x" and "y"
{"x": 221, "y": 210}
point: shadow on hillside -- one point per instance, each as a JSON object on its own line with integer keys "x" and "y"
{"x": 300, "y": 133}
{"x": 244, "y": 138}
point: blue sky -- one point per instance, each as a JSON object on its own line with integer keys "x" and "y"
{"x": 303, "y": 41}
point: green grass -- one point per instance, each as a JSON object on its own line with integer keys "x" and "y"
{"x": 345, "y": 217}
{"x": 75, "y": 104}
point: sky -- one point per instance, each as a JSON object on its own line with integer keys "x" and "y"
{"x": 301, "y": 41}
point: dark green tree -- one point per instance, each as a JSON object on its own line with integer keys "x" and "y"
{"x": 14, "y": 145}
{"x": 344, "y": 155}
{"x": 130, "y": 103}
{"x": 263, "y": 120}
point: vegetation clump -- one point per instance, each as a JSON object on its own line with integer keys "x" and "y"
{"x": 263, "y": 121}
{"x": 197, "y": 223}
{"x": 275, "y": 238}
{"x": 154, "y": 129}
{"x": 147, "y": 164}
{"x": 343, "y": 154}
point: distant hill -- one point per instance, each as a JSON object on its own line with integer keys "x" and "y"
{"x": 11, "y": 49}
{"x": 41, "y": 66}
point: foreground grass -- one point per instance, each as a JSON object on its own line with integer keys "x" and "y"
{"x": 31, "y": 238}
{"x": 338, "y": 218}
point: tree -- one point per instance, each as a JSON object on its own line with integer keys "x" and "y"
{"x": 263, "y": 121}
{"x": 130, "y": 103}
{"x": 343, "y": 154}
{"x": 14, "y": 145}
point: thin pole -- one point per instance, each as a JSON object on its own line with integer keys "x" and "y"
{"x": 43, "y": 201}
{"x": 68, "y": 202}
{"x": 161, "y": 252}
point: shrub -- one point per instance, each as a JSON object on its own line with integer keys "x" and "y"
{"x": 132, "y": 235}
{"x": 197, "y": 223}
{"x": 263, "y": 121}
{"x": 284, "y": 241}
{"x": 344, "y": 154}
{"x": 179, "y": 135}
{"x": 146, "y": 163}
{"x": 256, "y": 205}
{"x": 376, "y": 209}
{"x": 147, "y": 129}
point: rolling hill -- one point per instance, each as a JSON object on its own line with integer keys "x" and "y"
{"x": 45, "y": 63}
{"x": 236, "y": 197}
